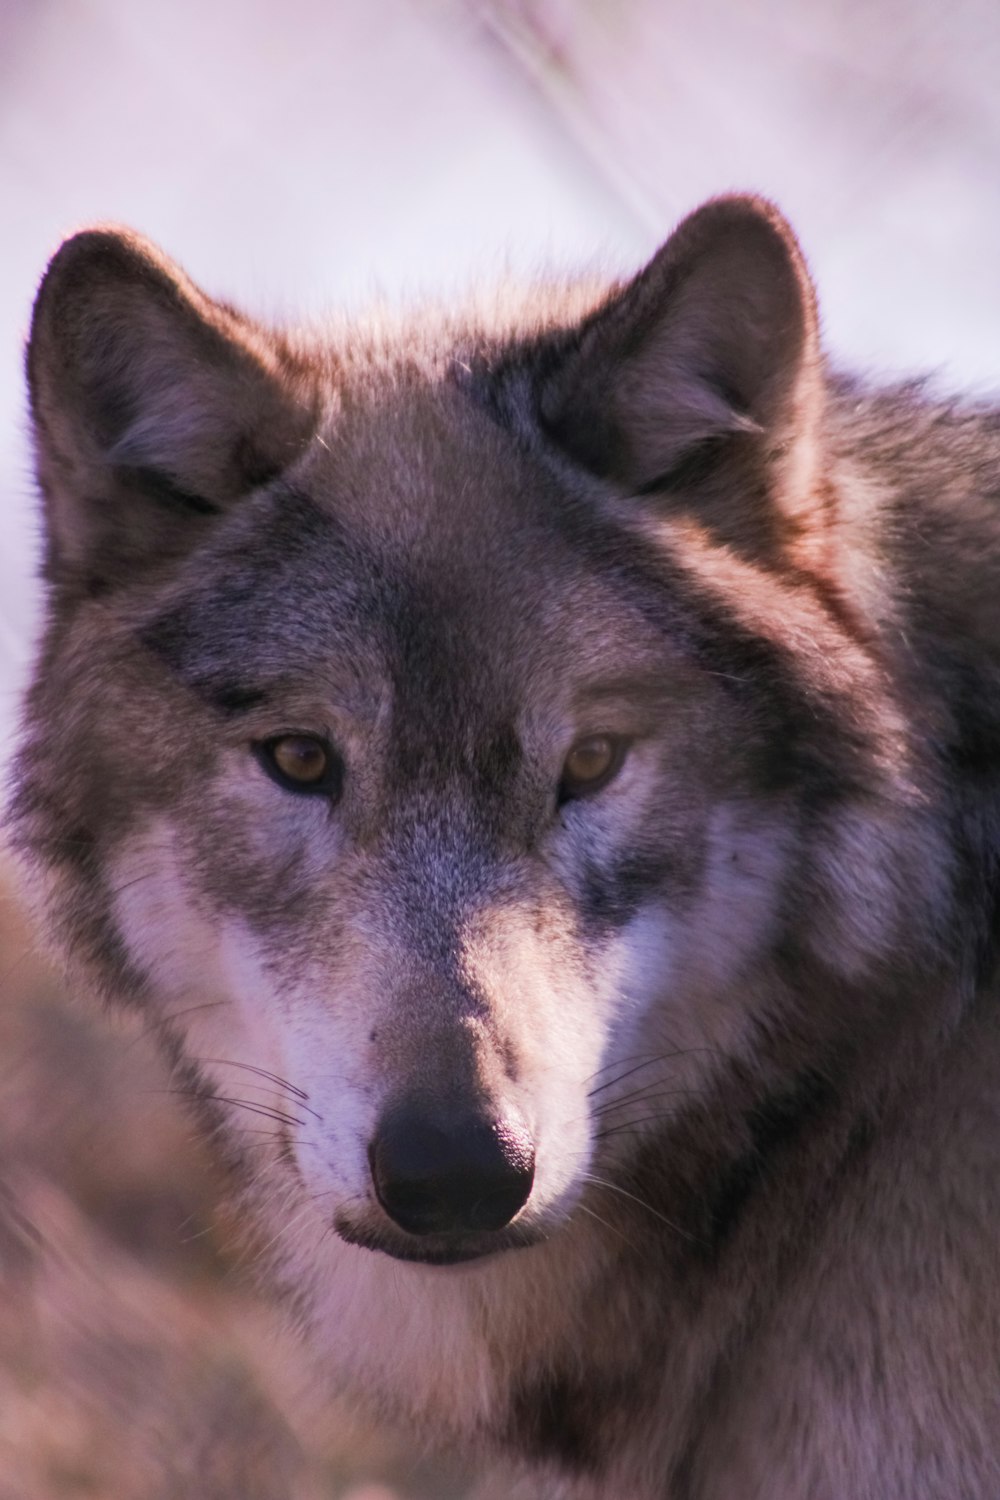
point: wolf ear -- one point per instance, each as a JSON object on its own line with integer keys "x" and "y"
{"x": 154, "y": 408}
{"x": 699, "y": 382}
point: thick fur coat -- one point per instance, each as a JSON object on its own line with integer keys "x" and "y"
{"x": 539, "y": 769}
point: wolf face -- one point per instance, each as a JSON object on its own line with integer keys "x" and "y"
{"x": 474, "y": 741}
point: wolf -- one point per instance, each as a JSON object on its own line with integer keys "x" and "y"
{"x": 537, "y": 765}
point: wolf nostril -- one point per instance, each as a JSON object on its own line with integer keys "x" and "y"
{"x": 438, "y": 1173}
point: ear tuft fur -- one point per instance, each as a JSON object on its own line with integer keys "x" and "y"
{"x": 154, "y": 408}
{"x": 700, "y": 380}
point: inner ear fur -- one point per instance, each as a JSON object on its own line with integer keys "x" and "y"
{"x": 154, "y": 408}
{"x": 700, "y": 381}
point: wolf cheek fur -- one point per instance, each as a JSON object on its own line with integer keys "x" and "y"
{"x": 637, "y": 945}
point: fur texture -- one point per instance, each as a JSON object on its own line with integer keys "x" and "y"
{"x": 733, "y": 1000}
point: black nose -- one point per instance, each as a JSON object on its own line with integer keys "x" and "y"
{"x": 438, "y": 1172}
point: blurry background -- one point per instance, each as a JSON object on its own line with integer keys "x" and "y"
{"x": 303, "y": 156}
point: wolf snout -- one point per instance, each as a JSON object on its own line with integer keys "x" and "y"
{"x": 439, "y": 1171}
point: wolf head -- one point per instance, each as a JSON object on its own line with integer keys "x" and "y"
{"x": 460, "y": 735}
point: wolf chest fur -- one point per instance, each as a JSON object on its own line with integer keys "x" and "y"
{"x": 538, "y": 767}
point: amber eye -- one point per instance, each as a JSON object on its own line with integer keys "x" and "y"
{"x": 590, "y": 765}
{"x": 301, "y": 763}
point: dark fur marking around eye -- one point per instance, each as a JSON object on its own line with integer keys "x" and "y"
{"x": 170, "y": 638}
{"x": 232, "y": 698}
{"x": 613, "y": 896}
{"x": 803, "y": 739}
{"x": 224, "y": 615}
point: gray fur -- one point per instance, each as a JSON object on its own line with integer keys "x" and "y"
{"x": 745, "y": 995}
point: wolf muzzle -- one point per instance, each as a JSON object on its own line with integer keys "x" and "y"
{"x": 439, "y": 1171}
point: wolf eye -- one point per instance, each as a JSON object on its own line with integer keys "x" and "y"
{"x": 590, "y": 765}
{"x": 301, "y": 763}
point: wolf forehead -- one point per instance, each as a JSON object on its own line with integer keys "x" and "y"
{"x": 427, "y": 559}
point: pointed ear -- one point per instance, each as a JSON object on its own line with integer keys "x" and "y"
{"x": 154, "y": 409}
{"x": 699, "y": 382}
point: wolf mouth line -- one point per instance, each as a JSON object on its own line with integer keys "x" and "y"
{"x": 442, "y": 1253}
